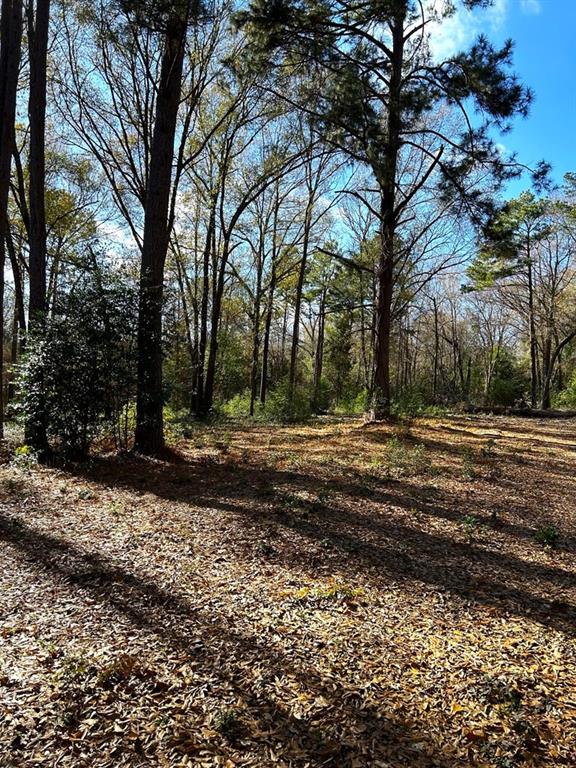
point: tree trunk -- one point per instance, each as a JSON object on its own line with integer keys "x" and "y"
{"x": 546, "y": 383}
{"x": 208, "y": 398}
{"x": 10, "y": 40}
{"x": 256, "y": 333}
{"x": 266, "y": 340}
{"x": 385, "y": 269}
{"x": 532, "y": 332}
{"x": 38, "y": 26}
{"x": 298, "y": 299}
{"x": 436, "y": 353}
{"x": 149, "y": 437}
{"x": 319, "y": 356}
{"x": 546, "y": 365}
{"x": 19, "y": 324}
{"x": 198, "y": 398}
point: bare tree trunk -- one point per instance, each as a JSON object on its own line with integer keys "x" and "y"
{"x": 319, "y": 356}
{"x": 381, "y": 395}
{"x": 38, "y": 25}
{"x": 209, "y": 247}
{"x": 10, "y": 40}
{"x": 38, "y": 22}
{"x": 149, "y": 437}
{"x": 298, "y": 298}
{"x": 363, "y": 350}
{"x": 436, "y": 352}
{"x": 183, "y": 288}
{"x": 217, "y": 294}
{"x": 266, "y": 341}
{"x": 532, "y": 332}
{"x": 256, "y": 332}
{"x": 19, "y": 324}
{"x": 546, "y": 383}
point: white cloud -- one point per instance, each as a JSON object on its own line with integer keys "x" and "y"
{"x": 530, "y": 7}
{"x": 454, "y": 33}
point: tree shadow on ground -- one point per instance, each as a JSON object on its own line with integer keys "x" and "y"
{"x": 358, "y": 731}
{"x": 352, "y": 536}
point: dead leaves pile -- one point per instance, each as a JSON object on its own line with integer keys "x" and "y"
{"x": 284, "y": 604}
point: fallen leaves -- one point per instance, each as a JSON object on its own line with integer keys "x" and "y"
{"x": 298, "y": 610}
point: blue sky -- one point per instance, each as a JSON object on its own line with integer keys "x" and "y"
{"x": 544, "y": 32}
{"x": 545, "y": 58}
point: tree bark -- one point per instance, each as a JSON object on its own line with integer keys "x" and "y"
{"x": 532, "y": 330}
{"x": 298, "y": 299}
{"x": 381, "y": 395}
{"x": 256, "y": 331}
{"x": 38, "y": 26}
{"x": 319, "y": 354}
{"x": 266, "y": 340}
{"x": 149, "y": 436}
{"x": 10, "y": 40}
{"x": 546, "y": 384}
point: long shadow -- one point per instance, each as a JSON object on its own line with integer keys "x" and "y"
{"x": 526, "y": 427}
{"x": 562, "y": 468}
{"x": 172, "y": 618}
{"x": 383, "y": 546}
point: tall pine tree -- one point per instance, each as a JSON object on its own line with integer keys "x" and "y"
{"x": 367, "y": 77}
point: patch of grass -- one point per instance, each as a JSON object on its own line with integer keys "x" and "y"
{"x": 470, "y": 525}
{"x": 73, "y": 668}
{"x": 400, "y": 460}
{"x": 488, "y": 450}
{"x": 547, "y": 535}
{"x": 227, "y": 722}
{"x": 468, "y": 462}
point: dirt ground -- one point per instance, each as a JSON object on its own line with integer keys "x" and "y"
{"x": 335, "y": 594}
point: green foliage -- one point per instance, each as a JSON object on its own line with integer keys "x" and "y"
{"x": 279, "y": 407}
{"x": 24, "y": 458}
{"x": 547, "y": 535}
{"x": 238, "y": 407}
{"x": 286, "y": 409}
{"x": 509, "y": 382}
{"x": 354, "y": 403}
{"x": 468, "y": 462}
{"x": 77, "y": 373}
{"x": 567, "y": 397}
{"x": 338, "y": 355}
{"x": 402, "y": 459}
{"x": 233, "y": 362}
{"x": 227, "y": 723}
{"x": 469, "y": 524}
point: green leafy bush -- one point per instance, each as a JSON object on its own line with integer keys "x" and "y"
{"x": 282, "y": 408}
{"x": 77, "y": 373}
{"x": 354, "y": 403}
{"x": 567, "y": 397}
{"x": 24, "y": 458}
{"x": 509, "y": 383}
{"x": 279, "y": 408}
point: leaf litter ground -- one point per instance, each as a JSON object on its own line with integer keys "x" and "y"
{"x": 335, "y": 594}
